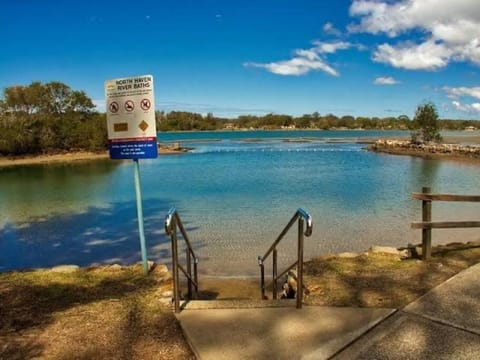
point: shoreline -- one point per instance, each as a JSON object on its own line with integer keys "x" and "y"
{"x": 77, "y": 156}
{"x": 395, "y": 146}
{"x": 449, "y": 150}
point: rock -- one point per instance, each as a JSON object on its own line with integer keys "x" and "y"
{"x": 165, "y": 301}
{"x": 290, "y": 285}
{"x": 404, "y": 253}
{"x": 455, "y": 244}
{"x": 348, "y": 255}
{"x": 115, "y": 267}
{"x": 161, "y": 269}
{"x": 384, "y": 250}
{"x": 150, "y": 264}
{"x": 167, "y": 294}
{"x": 419, "y": 251}
{"x": 65, "y": 269}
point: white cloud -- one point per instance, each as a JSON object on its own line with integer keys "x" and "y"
{"x": 469, "y": 108}
{"x": 305, "y": 60}
{"x": 385, "y": 80}
{"x": 458, "y": 95}
{"x": 457, "y": 92}
{"x": 295, "y": 66}
{"x": 451, "y": 30}
{"x": 426, "y": 56}
{"x": 330, "y": 47}
{"x": 330, "y": 29}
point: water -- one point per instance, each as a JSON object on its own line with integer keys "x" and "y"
{"x": 234, "y": 195}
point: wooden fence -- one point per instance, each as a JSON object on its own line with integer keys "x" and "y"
{"x": 427, "y": 224}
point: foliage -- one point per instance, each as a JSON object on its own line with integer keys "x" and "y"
{"x": 184, "y": 121}
{"x": 426, "y": 124}
{"x": 51, "y": 117}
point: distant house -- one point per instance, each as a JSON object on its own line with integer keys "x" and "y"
{"x": 230, "y": 126}
{"x": 470, "y": 128}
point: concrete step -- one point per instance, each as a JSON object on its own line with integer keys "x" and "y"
{"x": 236, "y": 304}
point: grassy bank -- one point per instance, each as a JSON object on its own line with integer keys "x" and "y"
{"x": 115, "y": 312}
{"x": 103, "y": 313}
{"x": 384, "y": 280}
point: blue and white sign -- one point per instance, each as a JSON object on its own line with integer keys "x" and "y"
{"x": 132, "y": 132}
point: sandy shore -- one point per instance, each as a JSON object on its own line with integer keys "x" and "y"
{"x": 75, "y": 157}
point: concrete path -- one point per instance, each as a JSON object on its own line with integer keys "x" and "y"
{"x": 275, "y": 333}
{"x": 443, "y": 324}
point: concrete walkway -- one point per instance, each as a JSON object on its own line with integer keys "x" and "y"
{"x": 443, "y": 324}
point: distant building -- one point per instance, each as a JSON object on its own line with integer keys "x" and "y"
{"x": 230, "y": 126}
{"x": 470, "y": 128}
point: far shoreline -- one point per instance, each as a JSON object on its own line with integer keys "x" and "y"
{"x": 76, "y": 156}
{"x": 176, "y": 149}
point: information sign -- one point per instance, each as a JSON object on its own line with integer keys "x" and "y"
{"x": 132, "y": 132}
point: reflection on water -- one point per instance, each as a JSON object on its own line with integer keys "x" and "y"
{"x": 234, "y": 196}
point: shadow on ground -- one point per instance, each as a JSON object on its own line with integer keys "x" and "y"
{"x": 91, "y": 313}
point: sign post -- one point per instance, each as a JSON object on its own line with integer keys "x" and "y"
{"x": 132, "y": 132}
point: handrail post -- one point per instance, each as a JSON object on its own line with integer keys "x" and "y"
{"x": 195, "y": 275}
{"x": 274, "y": 273}
{"x": 426, "y": 232}
{"x": 176, "y": 291}
{"x": 189, "y": 270}
{"x": 300, "y": 264}
{"x": 262, "y": 277}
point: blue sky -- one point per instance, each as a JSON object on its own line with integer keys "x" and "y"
{"x": 361, "y": 57}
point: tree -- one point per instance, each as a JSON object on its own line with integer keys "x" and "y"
{"x": 50, "y": 117}
{"x": 426, "y": 126}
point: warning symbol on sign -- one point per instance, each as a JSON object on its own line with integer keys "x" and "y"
{"x": 143, "y": 125}
{"x": 145, "y": 104}
{"x": 113, "y": 107}
{"x": 129, "y": 105}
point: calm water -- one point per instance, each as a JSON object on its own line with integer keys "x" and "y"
{"x": 234, "y": 194}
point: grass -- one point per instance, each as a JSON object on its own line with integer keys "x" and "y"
{"x": 382, "y": 280}
{"x": 116, "y": 312}
{"x": 90, "y": 313}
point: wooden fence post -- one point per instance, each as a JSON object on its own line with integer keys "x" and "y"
{"x": 426, "y": 232}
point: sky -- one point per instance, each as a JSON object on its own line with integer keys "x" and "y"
{"x": 345, "y": 57}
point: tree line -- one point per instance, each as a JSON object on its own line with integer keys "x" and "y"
{"x": 51, "y": 117}
{"x": 46, "y": 118}
{"x": 184, "y": 121}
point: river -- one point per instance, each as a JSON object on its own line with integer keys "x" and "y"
{"x": 235, "y": 191}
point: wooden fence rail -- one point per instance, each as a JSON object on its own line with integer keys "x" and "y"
{"x": 427, "y": 224}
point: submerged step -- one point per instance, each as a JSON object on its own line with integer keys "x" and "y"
{"x": 236, "y": 304}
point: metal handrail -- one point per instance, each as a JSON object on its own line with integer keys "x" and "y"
{"x": 302, "y": 216}
{"x": 172, "y": 221}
